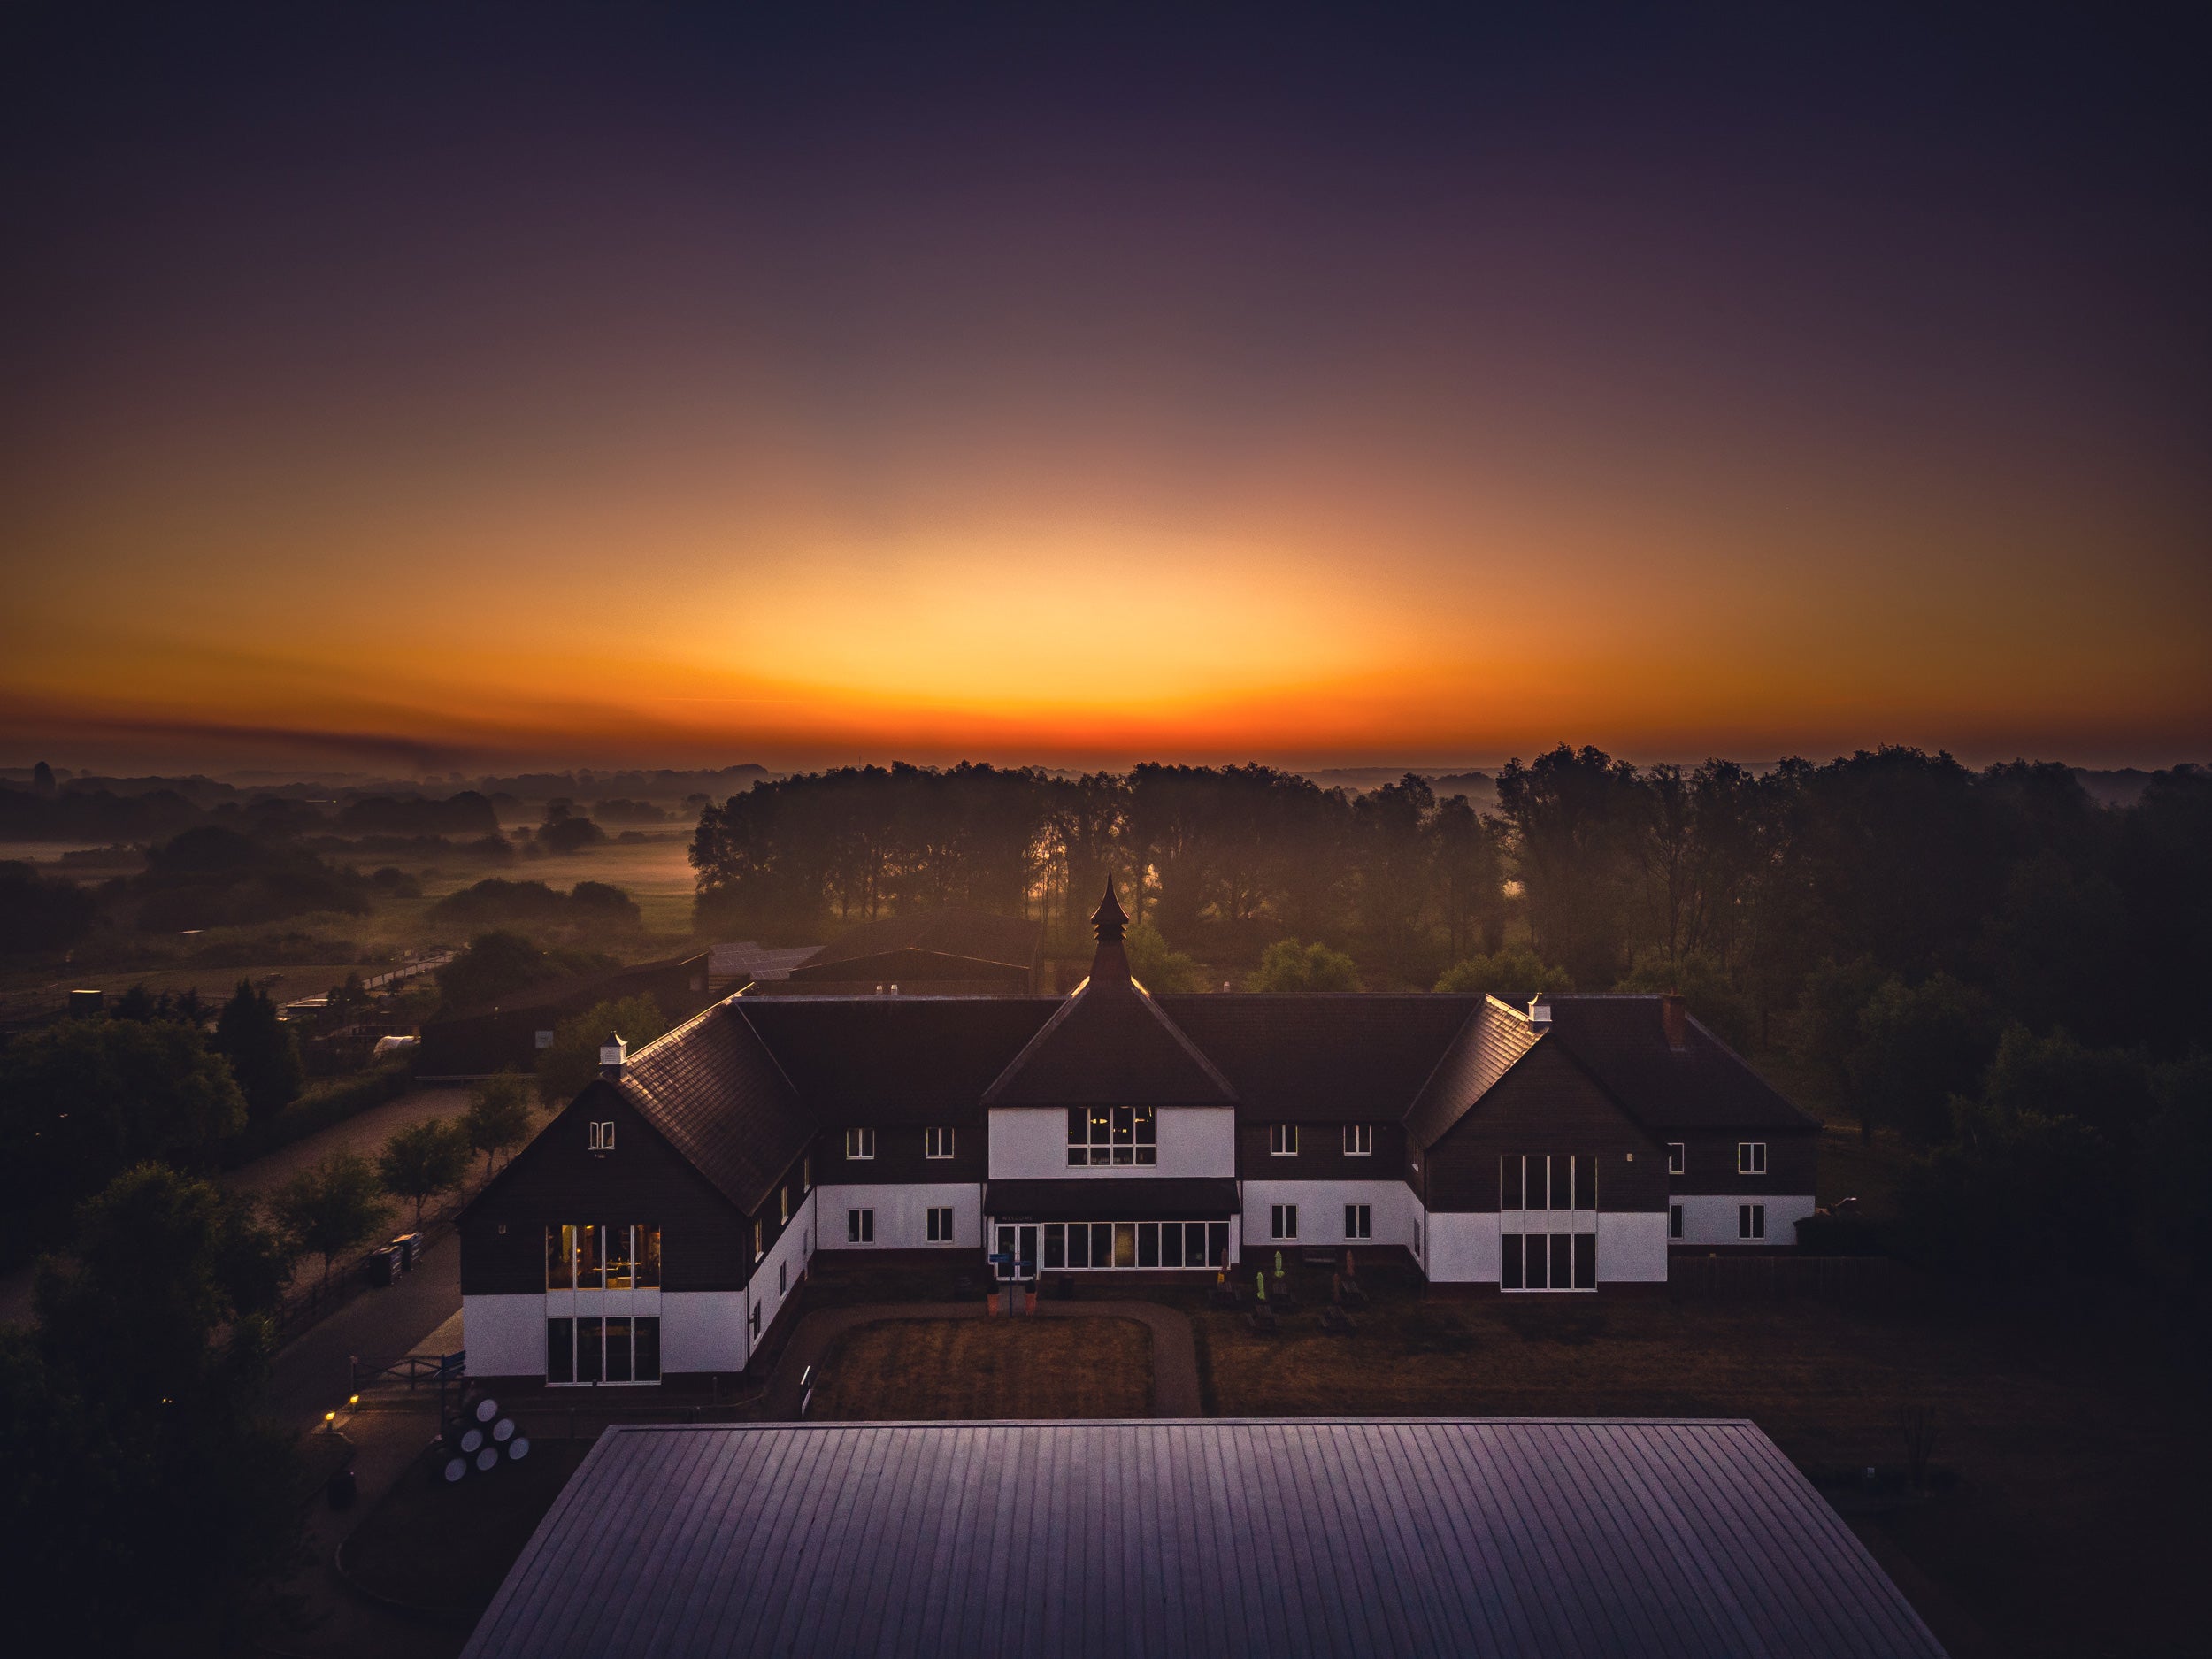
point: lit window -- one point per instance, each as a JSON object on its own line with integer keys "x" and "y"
{"x": 1359, "y": 1141}
{"x": 1110, "y": 1134}
{"x": 1751, "y": 1157}
{"x": 936, "y": 1143}
{"x": 1677, "y": 1157}
{"x": 1282, "y": 1141}
{"x": 860, "y": 1143}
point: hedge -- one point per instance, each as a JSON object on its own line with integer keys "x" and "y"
{"x": 318, "y": 1110}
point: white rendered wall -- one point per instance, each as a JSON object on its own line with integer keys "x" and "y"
{"x": 1031, "y": 1143}
{"x": 1463, "y": 1247}
{"x": 788, "y": 1257}
{"x": 1711, "y": 1218}
{"x": 504, "y": 1336}
{"x": 1393, "y": 1212}
{"x": 1632, "y": 1246}
{"x": 901, "y": 1223}
{"x": 701, "y": 1331}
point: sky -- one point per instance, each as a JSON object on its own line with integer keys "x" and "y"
{"x": 421, "y": 387}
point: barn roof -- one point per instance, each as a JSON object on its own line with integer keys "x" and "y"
{"x": 896, "y": 1059}
{"x": 1323, "y": 1057}
{"x": 1216, "y": 1537}
{"x": 1111, "y": 1043}
{"x": 1622, "y": 1041}
{"x": 716, "y": 1093}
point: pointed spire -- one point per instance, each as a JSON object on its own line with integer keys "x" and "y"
{"x": 1108, "y": 922}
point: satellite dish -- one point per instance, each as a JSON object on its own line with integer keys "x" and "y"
{"x": 455, "y": 1468}
{"x": 488, "y": 1458}
{"x": 486, "y": 1409}
{"x": 504, "y": 1430}
{"x": 518, "y": 1447}
{"x": 471, "y": 1440}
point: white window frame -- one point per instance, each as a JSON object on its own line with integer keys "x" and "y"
{"x": 1284, "y": 1222}
{"x": 1359, "y": 1222}
{"x": 937, "y": 1224}
{"x": 860, "y": 1145}
{"x": 1677, "y": 1158}
{"x": 1282, "y": 1141}
{"x": 602, "y": 1134}
{"x": 1751, "y": 1223}
{"x": 937, "y": 1141}
{"x": 1099, "y": 1136}
{"x": 783, "y": 1205}
{"x": 1751, "y": 1157}
{"x": 1359, "y": 1141}
{"x": 760, "y": 1235}
{"x": 860, "y": 1226}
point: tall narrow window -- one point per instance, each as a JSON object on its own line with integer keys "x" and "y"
{"x": 1677, "y": 1157}
{"x": 937, "y": 1143}
{"x": 1282, "y": 1141}
{"x": 1359, "y": 1141}
{"x": 760, "y": 1247}
{"x": 860, "y": 1144}
{"x": 783, "y": 1205}
{"x": 560, "y": 1258}
{"x": 1674, "y": 1221}
{"x": 619, "y": 1261}
{"x": 1751, "y": 1157}
{"x": 806, "y": 1173}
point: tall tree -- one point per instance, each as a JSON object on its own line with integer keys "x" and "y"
{"x": 262, "y": 1052}
{"x": 1577, "y": 817}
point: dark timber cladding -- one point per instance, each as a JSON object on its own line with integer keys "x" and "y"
{"x": 1500, "y": 1537}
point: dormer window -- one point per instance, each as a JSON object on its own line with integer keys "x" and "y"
{"x": 602, "y": 1134}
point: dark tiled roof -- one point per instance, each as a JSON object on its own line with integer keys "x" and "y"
{"x": 1322, "y": 1058}
{"x": 716, "y": 1093}
{"x": 1668, "y": 1540}
{"x": 1110, "y": 1044}
{"x": 980, "y": 935}
{"x": 1488, "y": 1046}
{"x": 1622, "y": 1041}
{"x": 1113, "y": 1198}
{"x": 894, "y": 1059}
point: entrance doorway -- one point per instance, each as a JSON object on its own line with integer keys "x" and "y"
{"x": 1017, "y": 1249}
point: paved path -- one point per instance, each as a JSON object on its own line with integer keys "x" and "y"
{"x": 1174, "y": 1351}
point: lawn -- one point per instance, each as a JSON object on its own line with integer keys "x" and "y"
{"x": 447, "y": 1547}
{"x": 1031, "y": 1367}
{"x": 2077, "y": 1459}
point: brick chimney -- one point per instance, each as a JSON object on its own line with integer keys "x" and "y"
{"x": 1676, "y": 1019}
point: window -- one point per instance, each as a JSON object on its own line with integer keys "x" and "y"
{"x": 1751, "y": 1157}
{"x": 806, "y": 1173}
{"x": 1110, "y": 1134}
{"x": 1751, "y": 1221}
{"x": 620, "y": 1349}
{"x": 1286, "y": 1220}
{"x": 1359, "y": 1141}
{"x": 1674, "y": 1221}
{"x": 585, "y": 1257}
{"x": 1553, "y": 1180}
{"x": 1282, "y": 1141}
{"x": 783, "y": 1277}
{"x": 860, "y": 1226}
{"x": 1548, "y": 1261}
{"x": 783, "y": 1205}
{"x": 1678, "y": 1159}
{"x": 1359, "y": 1221}
{"x": 602, "y": 1134}
{"x": 752, "y": 1322}
{"x": 759, "y": 1245}
{"x": 1109, "y": 1244}
{"x": 937, "y": 1143}
{"x": 940, "y": 1226}
{"x": 860, "y": 1143}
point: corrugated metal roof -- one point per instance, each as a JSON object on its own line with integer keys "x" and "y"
{"x": 1496, "y": 1536}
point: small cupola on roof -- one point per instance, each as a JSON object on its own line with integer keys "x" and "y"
{"x": 1109, "y": 1043}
